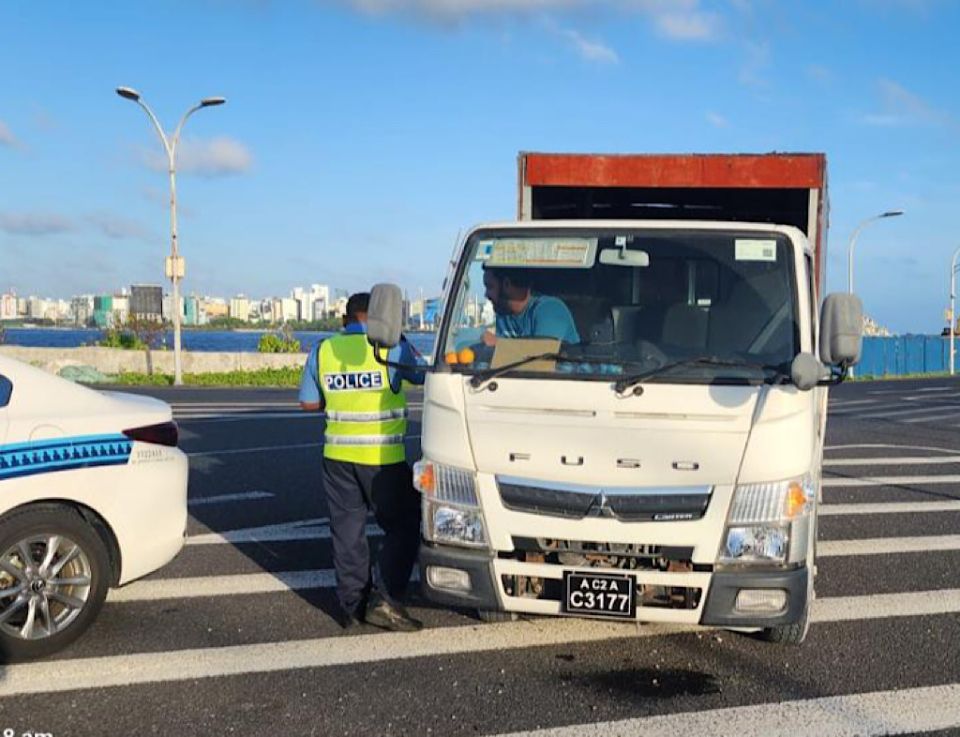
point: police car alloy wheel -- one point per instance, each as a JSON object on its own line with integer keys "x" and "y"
{"x": 54, "y": 575}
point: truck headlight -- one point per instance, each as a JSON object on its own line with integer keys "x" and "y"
{"x": 451, "y": 508}
{"x": 769, "y": 522}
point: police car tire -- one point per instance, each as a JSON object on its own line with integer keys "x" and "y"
{"x": 46, "y": 520}
{"x": 489, "y": 616}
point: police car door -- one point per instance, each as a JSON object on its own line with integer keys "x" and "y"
{"x": 6, "y": 389}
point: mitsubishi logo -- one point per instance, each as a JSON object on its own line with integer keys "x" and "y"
{"x": 600, "y": 506}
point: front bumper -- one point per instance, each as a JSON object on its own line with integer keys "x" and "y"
{"x": 479, "y": 566}
{"x": 716, "y": 608}
{"x": 720, "y": 609}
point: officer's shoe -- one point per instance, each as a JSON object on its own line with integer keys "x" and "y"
{"x": 389, "y": 616}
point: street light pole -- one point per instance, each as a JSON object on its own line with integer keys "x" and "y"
{"x": 853, "y": 241}
{"x": 953, "y": 319}
{"x": 175, "y": 266}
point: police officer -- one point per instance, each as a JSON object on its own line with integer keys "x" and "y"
{"x": 365, "y": 469}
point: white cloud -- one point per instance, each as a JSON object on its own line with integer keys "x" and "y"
{"x": 6, "y": 136}
{"x": 819, "y": 73}
{"x": 455, "y": 11}
{"x": 215, "y": 157}
{"x": 900, "y": 107}
{"x": 591, "y": 50}
{"x": 34, "y": 223}
{"x": 680, "y": 20}
{"x": 757, "y": 61}
{"x": 717, "y": 120}
{"x": 117, "y": 226}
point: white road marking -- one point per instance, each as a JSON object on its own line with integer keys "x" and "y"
{"x": 899, "y": 461}
{"x": 874, "y": 446}
{"x": 873, "y": 415}
{"x": 834, "y": 482}
{"x": 833, "y": 510}
{"x": 212, "y": 405}
{"x": 864, "y": 715}
{"x": 309, "y": 529}
{"x": 935, "y": 418}
{"x": 239, "y": 584}
{"x": 221, "y": 498}
{"x": 937, "y": 389}
{"x": 887, "y": 546}
{"x": 258, "y": 449}
{"x": 184, "y": 665}
{"x": 850, "y": 403}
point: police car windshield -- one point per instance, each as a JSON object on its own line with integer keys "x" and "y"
{"x": 618, "y": 302}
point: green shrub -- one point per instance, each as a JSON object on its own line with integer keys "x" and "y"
{"x": 119, "y": 338}
{"x": 288, "y": 376}
{"x": 278, "y": 343}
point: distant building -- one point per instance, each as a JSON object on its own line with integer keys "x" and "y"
{"x": 110, "y": 310}
{"x": 214, "y": 307}
{"x": 8, "y": 307}
{"x": 240, "y": 308}
{"x": 871, "y": 328}
{"x": 146, "y": 302}
{"x": 81, "y": 310}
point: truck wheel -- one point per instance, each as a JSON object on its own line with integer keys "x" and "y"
{"x": 485, "y": 615}
{"x": 54, "y": 576}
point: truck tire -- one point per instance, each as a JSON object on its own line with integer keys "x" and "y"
{"x": 54, "y": 576}
{"x": 486, "y": 615}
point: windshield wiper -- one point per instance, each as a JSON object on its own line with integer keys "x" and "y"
{"x": 630, "y": 381}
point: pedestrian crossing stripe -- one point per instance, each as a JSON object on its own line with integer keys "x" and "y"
{"x": 62, "y": 454}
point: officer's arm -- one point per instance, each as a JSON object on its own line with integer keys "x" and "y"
{"x": 311, "y": 398}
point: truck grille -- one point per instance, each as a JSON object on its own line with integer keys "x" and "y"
{"x": 626, "y": 504}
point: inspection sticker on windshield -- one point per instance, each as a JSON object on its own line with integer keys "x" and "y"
{"x": 755, "y": 250}
{"x": 557, "y": 253}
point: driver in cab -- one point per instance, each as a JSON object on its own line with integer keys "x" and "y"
{"x": 523, "y": 313}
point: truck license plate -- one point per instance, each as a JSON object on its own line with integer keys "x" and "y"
{"x": 599, "y": 595}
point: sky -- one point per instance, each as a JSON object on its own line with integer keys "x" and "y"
{"x": 360, "y": 137}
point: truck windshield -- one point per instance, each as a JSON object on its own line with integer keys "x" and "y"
{"x": 599, "y": 303}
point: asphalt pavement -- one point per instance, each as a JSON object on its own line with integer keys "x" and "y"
{"x": 236, "y": 636}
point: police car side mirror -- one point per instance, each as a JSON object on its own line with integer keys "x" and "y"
{"x": 385, "y": 315}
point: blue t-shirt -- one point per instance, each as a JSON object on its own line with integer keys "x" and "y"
{"x": 310, "y": 392}
{"x": 543, "y": 317}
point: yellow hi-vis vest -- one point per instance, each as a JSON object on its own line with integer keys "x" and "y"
{"x": 366, "y": 420}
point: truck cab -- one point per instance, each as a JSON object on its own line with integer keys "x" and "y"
{"x": 625, "y": 419}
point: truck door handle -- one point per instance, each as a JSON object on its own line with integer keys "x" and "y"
{"x": 568, "y": 461}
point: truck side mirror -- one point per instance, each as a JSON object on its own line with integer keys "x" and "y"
{"x": 841, "y": 330}
{"x": 385, "y": 315}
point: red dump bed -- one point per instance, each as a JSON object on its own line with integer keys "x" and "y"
{"x": 783, "y": 189}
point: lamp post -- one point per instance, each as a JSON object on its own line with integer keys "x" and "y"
{"x": 175, "y": 267}
{"x": 953, "y": 320}
{"x": 853, "y": 241}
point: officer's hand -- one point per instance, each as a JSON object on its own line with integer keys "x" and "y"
{"x": 489, "y": 339}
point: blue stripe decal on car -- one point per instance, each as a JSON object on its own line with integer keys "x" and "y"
{"x": 62, "y": 454}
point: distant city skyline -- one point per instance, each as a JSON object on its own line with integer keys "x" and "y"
{"x": 363, "y": 167}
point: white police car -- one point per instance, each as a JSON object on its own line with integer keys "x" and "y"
{"x": 93, "y": 494}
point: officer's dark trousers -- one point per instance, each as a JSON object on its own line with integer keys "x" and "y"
{"x": 352, "y": 490}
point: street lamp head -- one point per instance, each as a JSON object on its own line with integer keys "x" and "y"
{"x": 892, "y": 213}
{"x": 129, "y": 93}
{"x": 211, "y": 101}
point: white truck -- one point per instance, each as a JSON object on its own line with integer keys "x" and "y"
{"x": 661, "y": 460}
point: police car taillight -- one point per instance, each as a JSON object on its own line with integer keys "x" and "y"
{"x": 166, "y": 433}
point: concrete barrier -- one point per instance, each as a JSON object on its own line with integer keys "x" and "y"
{"x": 117, "y": 360}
